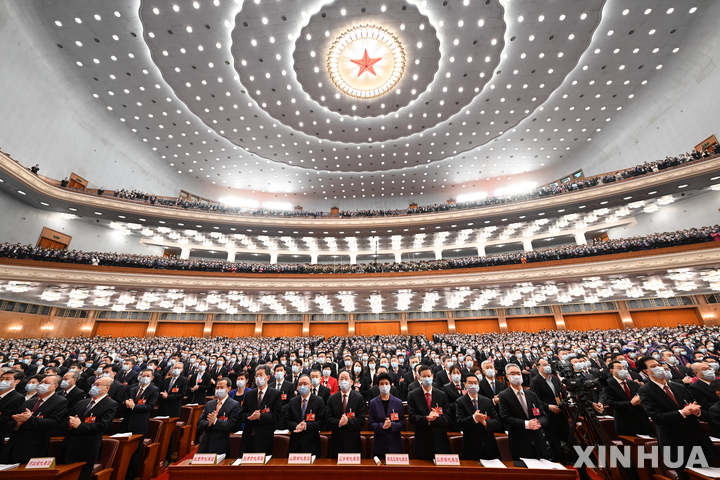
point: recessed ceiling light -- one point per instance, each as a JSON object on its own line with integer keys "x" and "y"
{"x": 21, "y": 192}
{"x": 683, "y": 185}
{"x": 97, "y": 213}
{"x": 72, "y": 209}
{"x": 44, "y": 204}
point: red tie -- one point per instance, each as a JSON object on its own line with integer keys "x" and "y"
{"x": 344, "y": 403}
{"x": 671, "y": 394}
{"x": 37, "y": 405}
{"x": 627, "y": 390}
{"x": 428, "y": 399}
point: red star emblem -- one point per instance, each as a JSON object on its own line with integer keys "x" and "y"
{"x": 366, "y": 63}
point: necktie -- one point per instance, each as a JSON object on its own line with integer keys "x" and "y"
{"x": 627, "y": 390}
{"x": 302, "y": 411}
{"x": 457, "y": 387}
{"x": 671, "y": 394}
{"x": 492, "y": 384}
{"x": 172, "y": 382}
{"x": 260, "y": 395}
{"x": 37, "y": 405}
{"x": 140, "y": 394}
{"x": 428, "y": 399}
{"x": 218, "y": 406}
{"x": 344, "y": 403}
{"x": 314, "y": 391}
{"x": 89, "y": 407}
{"x": 475, "y": 404}
{"x": 523, "y": 403}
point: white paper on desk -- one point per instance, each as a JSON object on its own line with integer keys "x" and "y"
{"x": 237, "y": 462}
{"x": 239, "y": 432}
{"x": 646, "y": 437}
{"x": 534, "y": 463}
{"x": 281, "y": 432}
{"x": 8, "y": 466}
{"x": 714, "y": 439}
{"x": 161, "y": 418}
{"x": 711, "y": 472}
{"x": 121, "y": 435}
{"x": 220, "y": 458}
{"x": 553, "y": 465}
{"x": 492, "y": 463}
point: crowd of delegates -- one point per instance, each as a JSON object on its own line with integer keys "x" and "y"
{"x": 477, "y": 384}
{"x": 544, "y": 191}
{"x": 608, "y": 247}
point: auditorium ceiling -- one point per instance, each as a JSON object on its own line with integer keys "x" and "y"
{"x": 367, "y": 99}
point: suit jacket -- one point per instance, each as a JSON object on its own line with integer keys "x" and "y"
{"x": 704, "y": 395}
{"x": 629, "y": 419}
{"x": 322, "y": 392}
{"x": 330, "y": 383}
{"x": 375, "y": 391}
{"x": 523, "y": 442}
{"x": 216, "y": 373}
{"x": 307, "y": 441}
{"x": 172, "y": 405}
{"x": 486, "y": 391}
{"x": 442, "y": 378}
{"x": 117, "y": 392}
{"x": 9, "y": 405}
{"x": 345, "y": 439}
{"x": 216, "y": 438}
{"x": 128, "y": 379}
{"x": 32, "y": 439}
{"x": 137, "y": 420}
{"x": 84, "y": 443}
{"x": 199, "y": 396}
{"x": 672, "y": 429}
{"x": 478, "y": 439}
{"x": 430, "y": 437}
{"x": 386, "y": 440}
{"x": 287, "y": 392}
{"x": 73, "y": 397}
{"x": 258, "y": 435}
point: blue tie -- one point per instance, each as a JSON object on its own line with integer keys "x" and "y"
{"x": 302, "y": 411}
{"x": 493, "y": 387}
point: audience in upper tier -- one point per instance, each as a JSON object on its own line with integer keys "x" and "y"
{"x": 608, "y": 247}
{"x": 544, "y": 191}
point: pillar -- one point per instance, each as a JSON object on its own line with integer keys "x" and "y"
{"x": 502, "y": 321}
{"x": 313, "y": 258}
{"x": 273, "y": 257}
{"x": 353, "y": 258}
{"x": 451, "y": 322}
{"x": 207, "y": 330}
{"x": 306, "y": 325}
{"x": 625, "y": 317}
{"x": 527, "y": 245}
{"x": 438, "y": 254}
{"x": 87, "y": 329}
{"x": 580, "y": 238}
{"x": 259, "y": 324}
{"x": 398, "y": 257}
{"x": 152, "y": 326}
{"x": 480, "y": 250}
{"x": 231, "y": 255}
{"x": 707, "y": 311}
{"x": 185, "y": 252}
{"x": 351, "y": 325}
{"x": 403, "y": 324}
{"x": 559, "y": 319}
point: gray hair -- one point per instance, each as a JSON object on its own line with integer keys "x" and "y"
{"x": 264, "y": 368}
{"x": 487, "y": 362}
{"x": 509, "y": 365}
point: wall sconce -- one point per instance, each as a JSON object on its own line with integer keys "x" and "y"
{"x": 47, "y": 327}
{"x": 15, "y": 328}
{"x": 86, "y": 328}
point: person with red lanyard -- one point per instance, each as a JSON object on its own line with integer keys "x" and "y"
{"x": 327, "y": 380}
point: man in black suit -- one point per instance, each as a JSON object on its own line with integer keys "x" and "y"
{"x": 117, "y": 389}
{"x": 704, "y": 395}
{"x": 621, "y": 394}
{"x": 69, "y": 390}
{"x": 427, "y": 411}
{"x": 346, "y": 416}
{"x": 477, "y": 419}
{"x": 680, "y": 373}
{"x": 443, "y": 376}
{"x": 316, "y": 389}
{"x": 36, "y": 421}
{"x": 10, "y": 401}
{"x": 141, "y": 401}
{"x": 217, "y": 371}
{"x": 259, "y": 413}
{"x": 172, "y": 392}
{"x": 127, "y": 374}
{"x": 676, "y": 415}
{"x": 490, "y": 386}
{"x": 287, "y": 391}
{"x": 85, "y": 428}
{"x": 522, "y": 413}
{"x": 548, "y": 389}
{"x": 218, "y": 420}
{"x": 305, "y": 418}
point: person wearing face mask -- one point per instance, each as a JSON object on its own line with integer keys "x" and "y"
{"x": 198, "y": 384}
{"x": 621, "y": 394}
{"x": 375, "y": 389}
{"x": 31, "y": 387}
{"x": 217, "y": 371}
{"x": 454, "y": 390}
{"x": 328, "y": 380}
{"x": 69, "y": 390}
{"x": 427, "y": 409}
{"x": 259, "y": 413}
{"x": 85, "y": 427}
{"x": 39, "y": 418}
{"x": 676, "y": 415}
{"x": 442, "y": 376}
{"x": 345, "y": 417}
{"x": 173, "y": 390}
{"x": 358, "y": 379}
{"x": 680, "y": 373}
{"x": 477, "y": 419}
{"x": 490, "y": 386}
{"x": 286, "y": 389}
{"x": 387, "y": 419}
{"x": 305, "y": 418}
{"x": 218, "y": 420}
{"x": 316, "y": 387}
{"x": 10, "y": 401}
{"x": 127, "y": 375}
{"x": 701, "y": 390}
{"x": 548, "y": 389}
{"x": 524, "y": 417}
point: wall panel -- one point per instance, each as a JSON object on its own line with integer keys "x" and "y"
{"x": 666, "y": 318}
{"x": 29, "y": 325}
{"x": 427, "y": 328}
{"x": 179, "y": 329}
{"x": 282, "y": 329}
{"x": 329, "y": 329}
{"x": 591, "y": 321}
{"x": 377, "y": 328}
{"x": 490, "y": 325}
{"x": 122, "y": 329}
{"x": 530, "y": 324}
{"x": 233, "y": 329}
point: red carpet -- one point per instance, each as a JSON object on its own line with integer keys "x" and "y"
{"x": 165, "y": 476}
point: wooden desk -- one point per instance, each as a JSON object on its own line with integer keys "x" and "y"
{"x": 60, "y": 472}
{"x": 326, "y": 469}
{"x": 127, "y": 447}
{"x": 194, "y": 419}
{"x": 166, "y": 431}
{"x": 634, "y": 442}
{"x": 697, "y": 476}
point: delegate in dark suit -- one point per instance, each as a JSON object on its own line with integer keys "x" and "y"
{"x": 73, "y": 397}
{"x": 524, "y": 442}
{"x": 704, "y": 395}
{"x": 345, "y": 438}
{"x": 486, "y": 389}
{"x": 307, "y": 441}
{"x": 478, "y": 439}
{"x": 430, "y": 437}
{"x": 629, "y": 419}
{"x": 137, "y": 419}
{"x": 322, "y": 392}
{"x": 9, "y": 405}
{"x": 287, "y": 392}
{"x": 258, "y": 434}
{"x": 216, "y": 437}
{"x": 171, "y": 405}
{"x": 558, "y": 429}
{"x": 32, "y": 438}
{"x": 84, "y": 443}
{"x": 199, "y": 395}
{"x": 386, "y": 440}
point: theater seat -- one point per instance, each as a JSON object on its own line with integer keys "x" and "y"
{"x": 103, "y": 470}
{"x": 662, "y": 471}
{"x": 54, "y": 448}
{"x": 456, "y": 444}
{"x": 151, "y": 449}
{"x": 235, "y": 442}
{"x": 409, "y": 445}
{"x": 364, "y": 443}
{"x": 503, "y": 443}
{"x": 281, "y": 445}
{"x": 608, "y": 426}
{"x": 324, "y": 446}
